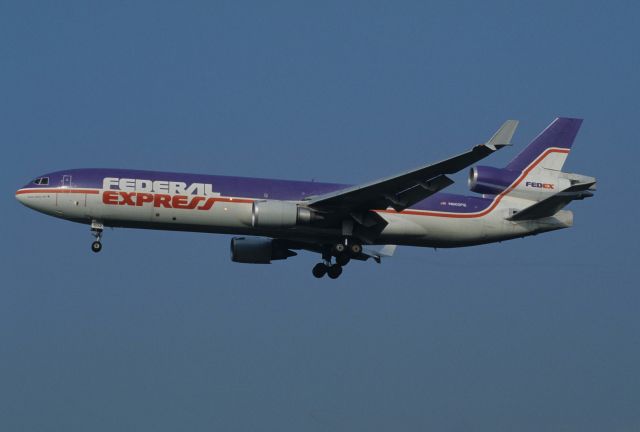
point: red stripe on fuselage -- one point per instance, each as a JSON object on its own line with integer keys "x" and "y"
{"x": 158, "y": 198}
{"x": 61, "y": 190}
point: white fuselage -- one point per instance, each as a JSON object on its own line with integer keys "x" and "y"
{"x": 215, "y": 213}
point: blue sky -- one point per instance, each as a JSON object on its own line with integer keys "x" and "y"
{"x": 162, "y": 332}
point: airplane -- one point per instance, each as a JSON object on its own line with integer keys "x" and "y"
{"x": 273, "y": 218}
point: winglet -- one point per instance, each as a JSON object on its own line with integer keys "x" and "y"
{"x": 503, "y": 136}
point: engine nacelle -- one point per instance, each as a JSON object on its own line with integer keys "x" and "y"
{"x": 280, "y": 214}
{"x": 490, "y": 180}
{"x": 257, "y": 250}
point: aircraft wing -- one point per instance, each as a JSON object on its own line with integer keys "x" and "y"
{"x": 403, "y": 190}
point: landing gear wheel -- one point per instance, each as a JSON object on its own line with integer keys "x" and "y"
{"x": 343, "y": 259}
{"x": 339, "y": 248}
{"x": 334, "y": 271}
{"x": 356, "y": 248}
{"x": 319, "y": 270}
{"x": 96, "y": 246}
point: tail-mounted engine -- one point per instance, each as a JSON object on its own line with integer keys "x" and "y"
{"x": 281, "y": 214}
{"x": 490, "y": 180}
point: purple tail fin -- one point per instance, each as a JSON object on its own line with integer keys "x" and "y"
{"x": 559, "y": 135}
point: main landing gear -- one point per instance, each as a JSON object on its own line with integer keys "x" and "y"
{"x": 96, "y": 231}
{"x": 343, "y": 252}
{"x": 326, "y": 268}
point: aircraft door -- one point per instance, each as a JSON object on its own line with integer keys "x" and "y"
{"x": 70, "y": 203}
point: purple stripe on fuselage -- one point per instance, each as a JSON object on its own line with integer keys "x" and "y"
{"x": 246, "y": 187}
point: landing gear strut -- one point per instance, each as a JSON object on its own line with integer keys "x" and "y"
{"x": 96, "y": 231}
{"x": 343, "y": 259}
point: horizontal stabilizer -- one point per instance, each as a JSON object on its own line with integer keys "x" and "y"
{"x": 553, "y": 204}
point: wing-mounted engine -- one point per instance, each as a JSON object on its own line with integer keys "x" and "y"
{"x": 490, "y": 180}
{"x": 282, "y": 214}
{"x": 258, "y": 250}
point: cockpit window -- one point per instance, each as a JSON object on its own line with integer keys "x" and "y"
{"x": 42, "y": 181}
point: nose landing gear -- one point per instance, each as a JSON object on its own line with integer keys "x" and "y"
{"x": 96, "y": 231}
{"x": 96, "y": 246}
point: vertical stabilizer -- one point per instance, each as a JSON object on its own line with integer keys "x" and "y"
{"x": 552, "y": 145}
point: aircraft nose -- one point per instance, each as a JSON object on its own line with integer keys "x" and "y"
{"x": 39, "y": 200}
{"x": 20, "y": 196}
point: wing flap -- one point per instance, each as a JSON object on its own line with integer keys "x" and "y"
{"x": 417, "y": 193}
